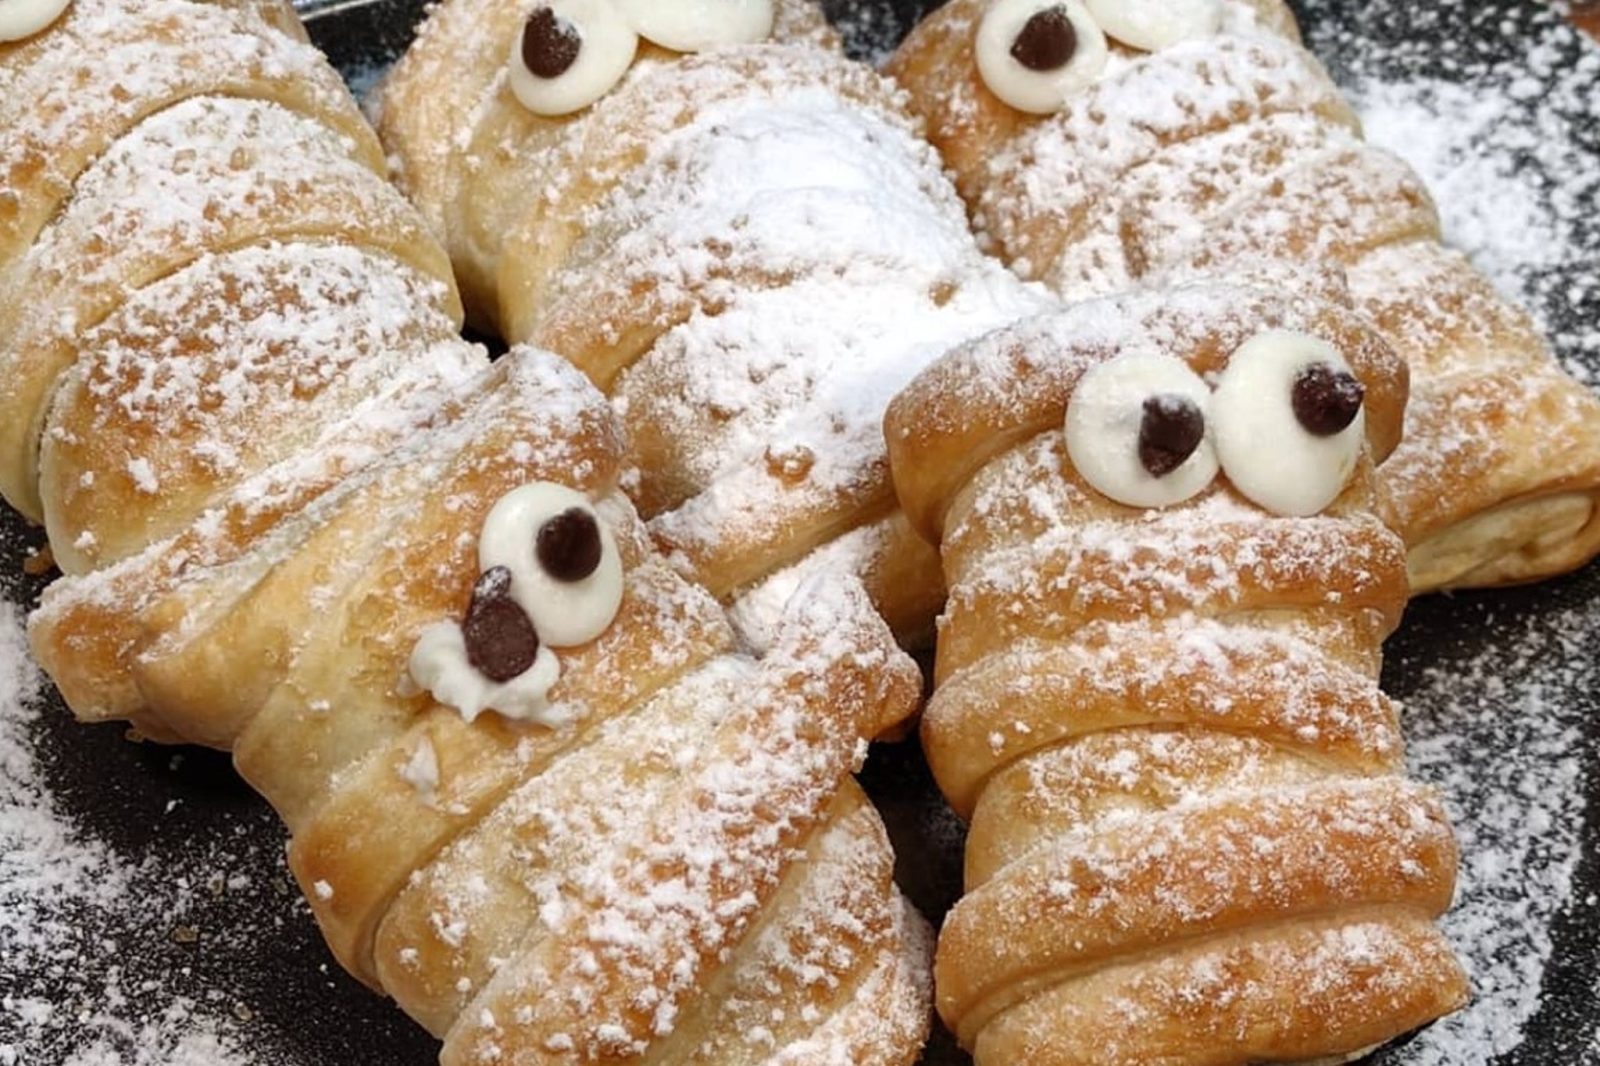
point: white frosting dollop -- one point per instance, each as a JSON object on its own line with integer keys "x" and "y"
{"x": 606, "y": 46}
{"x": 564, "y": 613}
{"x": 696, "y": 25}
{"x": 21, "y": 19}
{"x": 440, "y": 665}
{"x": 1265, "y": 451}
{"x": 1105, "y": 420}
{"x": 1151, "y": 25}
{"x": 1039, "y": 92}
{"x": 562, "y": 610}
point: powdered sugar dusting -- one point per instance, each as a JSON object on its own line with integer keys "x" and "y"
{"x": 1518, "y": 812}
{"x": 1506, "y": 146}
{"x": 819, "y": 258}
{"x": 74, "y": 992}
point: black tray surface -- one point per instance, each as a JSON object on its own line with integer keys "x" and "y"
{"x": 147, "y": 917}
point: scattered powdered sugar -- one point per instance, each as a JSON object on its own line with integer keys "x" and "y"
{"x": 1458, "y": 138}
{"x": 177, "y": 1037}
{"x": 46, "y": 872}
{"x": 1504, "y": 732}
{"x": 81, "y": 986}
{"x": 1501, "y": 730}
{"x": 1496, "y": 107}
{"x": 869, "y": 32}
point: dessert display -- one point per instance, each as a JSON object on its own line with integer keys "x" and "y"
{"x": 1156, "y": 693}
{"x": 1090, "y": 344}
{"x": 1104, "y": 142}
{"x": 736, "y": 233}
{"x": 300, "y": 519}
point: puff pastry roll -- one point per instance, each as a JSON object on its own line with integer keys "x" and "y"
{"x": 1157, "y": 704}
{"x": 1099, "y": 142}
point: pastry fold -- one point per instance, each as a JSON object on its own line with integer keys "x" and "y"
{"x": 1233, "y": 147}
{"x": 748, "y": 248}
{"x": 232, "y": 386}
{"x": 1191, "y": 838}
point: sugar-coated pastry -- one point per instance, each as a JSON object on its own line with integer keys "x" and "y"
{"x": 1209, "y": 139}
{"x": 536, "y": 792}
{"x": 742, "y": 240}
{"x": 1192, "y": 841}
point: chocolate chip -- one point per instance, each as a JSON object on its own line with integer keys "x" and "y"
{"x": 569, "y": 545}
{"x": 501, "y": 641}
{"x": 1170, "y": 432}
{"x": 1326, "y": 400}
{"x": 1047, "y": 42}
{"x": 550, "y": 44}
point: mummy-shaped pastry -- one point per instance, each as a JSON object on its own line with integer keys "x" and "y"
{"x": 302, "y": 520}
{"x": 1105, "y": 142}
{"x": 746, "y": 246}
{"x": 1156, "y": 691}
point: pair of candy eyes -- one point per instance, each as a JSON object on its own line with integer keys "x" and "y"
{"x": 572, "y": 52}
{"x": 1034, "y": 54}
{"x": 501, "y": 635}
{"x": 1285, "y": 423}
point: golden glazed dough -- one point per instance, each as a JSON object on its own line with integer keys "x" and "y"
{"x": 1236, "y": 147}
{"x": 236, "y": 393}
{"x": 1191, "y": 841}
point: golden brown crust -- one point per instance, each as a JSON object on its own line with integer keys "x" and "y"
{"x": 446, "y": 104}
{"x": 1115, "y": 677}
{"x": 64, "y": 105}
{"x": 1234, "y": 1001}
{"x": 177, "y": 415}
{"x": 1095, "y": 897}
{"x": 351, "y": 835}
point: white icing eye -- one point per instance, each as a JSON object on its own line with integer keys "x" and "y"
{"x": 21, "y": 19}
{"x": 566, "y": 572}
{"x": 1289, "y": 422}
{"x": 1034, "y": 54}
{"x": 1151, "y": 25}
{"x": 695, "y": 25}
{"x": 492, "y": 660}
{"x": 1137, "y": 430}
{"x": 570, "y": 53}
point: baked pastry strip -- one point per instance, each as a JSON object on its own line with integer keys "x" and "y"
{"x": 1177, "y": 138}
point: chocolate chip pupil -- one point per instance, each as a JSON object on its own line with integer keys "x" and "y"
{"x": 1171, "y": 430}
{"x": 1047, "y": 42}
{"x": 569, "y": 545}
{"x": 501, "y": 641}
{"x": 1326, "y": 400}
{"x": 550, "y": 44}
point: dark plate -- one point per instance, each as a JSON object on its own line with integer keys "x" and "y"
{"x": 205, "y": 935}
